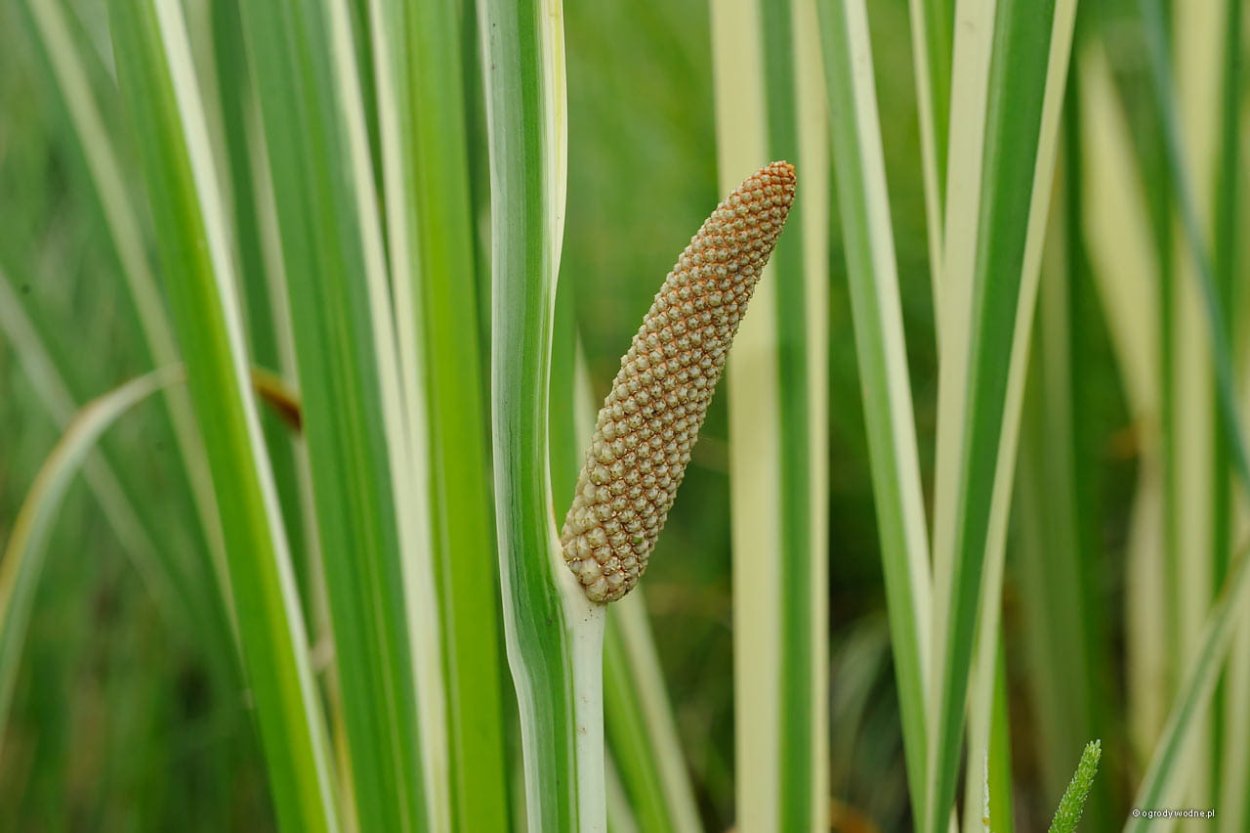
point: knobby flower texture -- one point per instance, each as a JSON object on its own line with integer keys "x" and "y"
{"x": 650, "y": 420}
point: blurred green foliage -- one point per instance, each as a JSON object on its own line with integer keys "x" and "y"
{"x": 124, "y": 721}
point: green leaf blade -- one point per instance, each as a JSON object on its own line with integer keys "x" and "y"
{"x": 768, "y": 85}
{"x": 430, "y": 106}
{"x": 25, "y": 552}
{"x": 154, "y": 66}
{"x": 981, "y": 381}
{"x": 367, "y": 506}
{"x": 553, "y": 633}
{"x": 882, "y": 356}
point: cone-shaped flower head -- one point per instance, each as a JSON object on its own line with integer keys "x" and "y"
{"x": 651, "y": 419}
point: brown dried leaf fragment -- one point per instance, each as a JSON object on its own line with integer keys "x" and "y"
{"x": 651, "y": 419}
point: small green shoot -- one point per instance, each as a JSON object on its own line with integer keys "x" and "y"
{"x": 1072, "y": 805}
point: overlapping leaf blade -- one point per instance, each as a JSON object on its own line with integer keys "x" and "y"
{"x": 157, "y": 77}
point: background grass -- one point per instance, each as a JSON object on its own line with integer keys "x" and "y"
{"x": 125, "y": 717}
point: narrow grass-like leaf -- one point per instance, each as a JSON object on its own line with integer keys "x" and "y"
{"x": 1229, "y": 261}
{"x": 178, "y": 578}
{"x": 1072, "y": 804}
{"x": 53, "y": 34}
{"x": 1228, "y": 778}
{"x": 1117, "y": 233}
{"x": 999, "y": 782}
{"x": 311, "y": 567}
{"x": 932, "y": 36}
{"x": 195, "y": 573}
{"x": 882, "y": 355}
{"x": 25, "y": 552}
{"x": 1053, "y": 558}
{"x": 417, "y": 662}
{"x": 1123, "y": 260}
{"x": 753, "y": 430}
{"x": 627, "y": 732}
{"x": 1217, "y": 330}
{"x": 1235, "y": 785}
{"x": 1024, "y": 83}
{"x": 640, "y": 726}
{"x": 573, "y": 409}
{"x": 425, "y": 171}
{"x": 1188, "y": 129}
{"x": 157, "y": 76}
{"x": 554, "y": 634}
{"x": 769, "y": 94}
{"x": 366, "y": 470}
{"x": 988, "y": 801}
{"x": 1171, "y": 764}
{"x": 236, "y": 101}
{"x": 970, "y": 69}
{"x": 48, "y": 381}
{"x": 620, "y": 813}
{"x": 1225, "y": 261}
{"x": 1196, "y": 461}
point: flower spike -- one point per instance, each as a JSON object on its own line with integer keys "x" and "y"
{"x": 651, "y": 418}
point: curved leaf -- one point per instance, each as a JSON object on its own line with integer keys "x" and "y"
{"x": 25, "y": 553}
